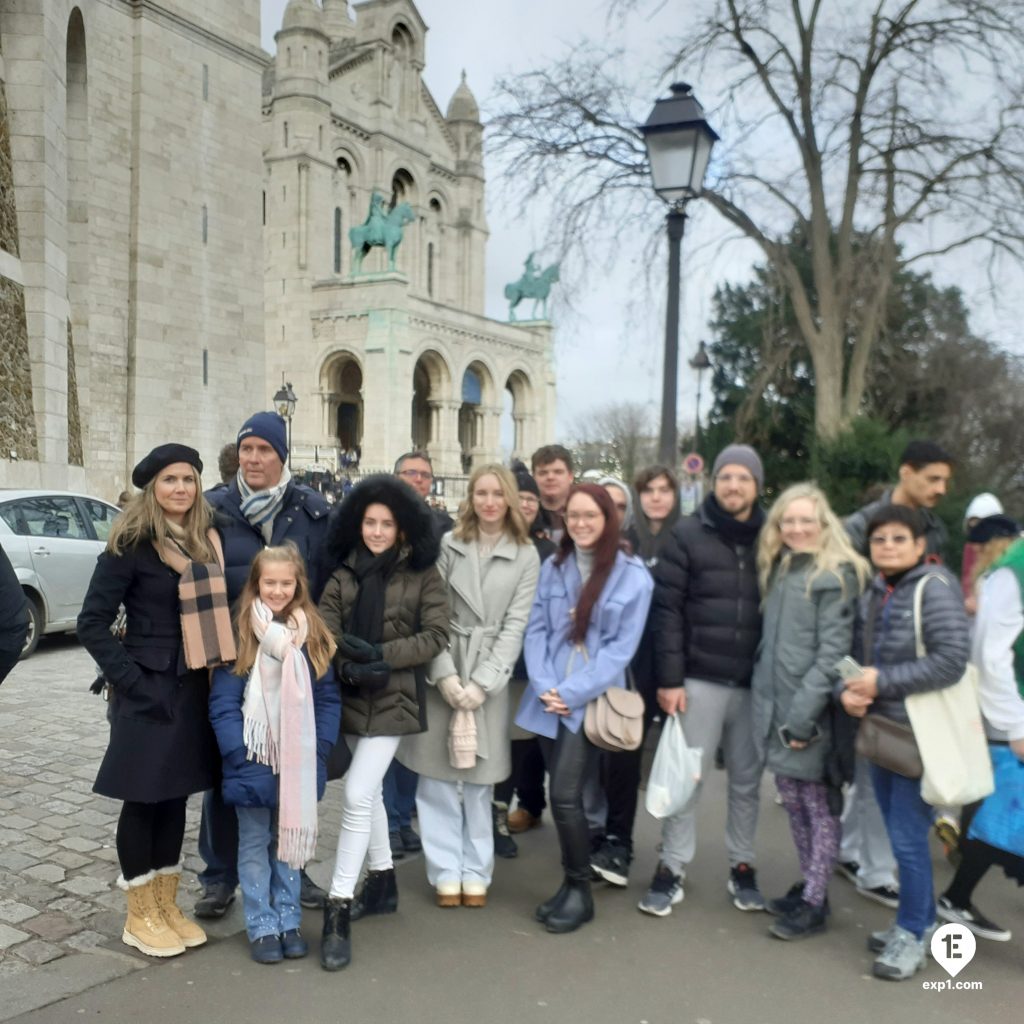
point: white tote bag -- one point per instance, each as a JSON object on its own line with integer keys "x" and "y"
{"x": 675, "y": 773}
{"x": 949, "y": 732}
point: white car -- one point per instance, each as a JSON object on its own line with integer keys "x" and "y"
{"x": 53, "y": 539}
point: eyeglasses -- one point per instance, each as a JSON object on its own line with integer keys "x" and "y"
{"x": 417, "y": 474}
{"x": 878, "y": 539}
{"x": 528, "y": 499}
{"x": 583, "y": 517}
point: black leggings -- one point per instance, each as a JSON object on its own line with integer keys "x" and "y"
{"x": 976, "y": 858}
{"x": 571, "y": 758}
{"x": 149, "y": 836}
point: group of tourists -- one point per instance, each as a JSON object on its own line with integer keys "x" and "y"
{"x": 270, "y": 642}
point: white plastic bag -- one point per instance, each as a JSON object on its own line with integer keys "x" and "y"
{"x": 675, "y": 773}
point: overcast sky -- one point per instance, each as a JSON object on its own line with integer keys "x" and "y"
{"x": 607, "y": 351}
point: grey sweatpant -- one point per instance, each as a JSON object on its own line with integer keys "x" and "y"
{"x": 718, "y": 716}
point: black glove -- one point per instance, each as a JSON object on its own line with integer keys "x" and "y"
{"x": 354, "y": 649}
{"x": 369, "y": 678}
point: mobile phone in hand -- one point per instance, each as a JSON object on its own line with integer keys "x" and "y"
{"x": 848, "y": 668}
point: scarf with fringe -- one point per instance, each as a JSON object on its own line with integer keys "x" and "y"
{"x": 279, "y": 728}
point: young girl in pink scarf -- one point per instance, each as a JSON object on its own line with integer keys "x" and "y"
{"x": 276, "y": 714}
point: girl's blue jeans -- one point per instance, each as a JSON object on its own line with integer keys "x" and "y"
{"x": 270, "y": 889}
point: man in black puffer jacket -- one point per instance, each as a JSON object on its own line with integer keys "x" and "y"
{"x": 706, "y": 623}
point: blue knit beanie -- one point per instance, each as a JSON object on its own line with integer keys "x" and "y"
{"x": 269, "y": 427}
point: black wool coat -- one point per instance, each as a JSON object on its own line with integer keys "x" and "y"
{"x": 161, "y": 746}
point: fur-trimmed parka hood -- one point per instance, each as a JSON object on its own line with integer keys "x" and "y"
{"x": 415, "y": 521}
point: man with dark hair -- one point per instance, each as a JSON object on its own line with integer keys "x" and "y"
{"x": 227, "y": 466}
{"x": 416, "y": 469}
{"x": 553, "y": 471}
{"x": 865, "y": 857}
{"x": 924, "y": 472}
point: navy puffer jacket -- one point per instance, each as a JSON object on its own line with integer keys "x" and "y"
{"x": 302, "y": 519}
{"x": 246, "y": 783}
{"x": 892, "y": 647}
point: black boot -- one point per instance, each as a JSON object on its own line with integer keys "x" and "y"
{"x": 504, "y": 845}
{"x": 548, "y": 907}
{"x": 336, "y": 941}
{"x": 379, "y": 895}
{"x": 801, "y": 922}
{"x": 576, "y": 909}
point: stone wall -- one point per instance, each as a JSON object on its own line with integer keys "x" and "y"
{"x": 17, "y": 420}
{"x": 8, "y": 211}
{"x": 75, "y": 455}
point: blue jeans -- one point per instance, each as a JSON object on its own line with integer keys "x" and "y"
{"x": 218, "y": 841}
{"x": 907, "y": 820}
{"x": 399, "y": 795}
{"x": 270, "y": 889}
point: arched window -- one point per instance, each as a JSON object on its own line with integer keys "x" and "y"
{"x": 337, "y": 239}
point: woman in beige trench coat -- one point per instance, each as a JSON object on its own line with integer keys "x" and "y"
{"x": 490, "y": 569}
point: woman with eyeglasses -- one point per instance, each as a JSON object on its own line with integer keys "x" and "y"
{"x": 586, "y": 622}
{"x": 885, "y": 643}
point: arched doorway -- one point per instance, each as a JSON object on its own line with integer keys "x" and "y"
{"x": 515, "y": 417}
{"x": 342, "y": 388}
{"x": 475, "y": 393}
{"x": 430, "y": 389}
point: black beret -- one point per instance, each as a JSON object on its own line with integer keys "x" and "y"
{"x": 161, "y": 456}
{"x": 991, "y": 527}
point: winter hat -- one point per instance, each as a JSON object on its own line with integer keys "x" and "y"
{"x": 741, "y": 455}
{"x": 525, "y": 482}
{"x": 991, "y": 527}
{"x": 162, "y": 456}
{"x": 982, "y": 506}
{"x": 269, "y": 427}
{"x": 612, "y": 481}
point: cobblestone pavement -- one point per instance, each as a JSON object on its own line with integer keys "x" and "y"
{"x": 61, "y": 914}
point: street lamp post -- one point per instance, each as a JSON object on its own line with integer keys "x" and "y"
{"x": 700, "y": 362}
{"x": 679, "y": 142}
{"x": 285, "y": 402}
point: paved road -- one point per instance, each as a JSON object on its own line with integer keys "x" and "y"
{"x": 60, "y": 921}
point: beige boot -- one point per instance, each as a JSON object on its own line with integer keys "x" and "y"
{"x": 165, "y": 887}
{"x": 145, "y": 928}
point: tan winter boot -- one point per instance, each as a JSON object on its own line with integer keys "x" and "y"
{"x": 165, "y": 888}
{"x": 145, "y": 928}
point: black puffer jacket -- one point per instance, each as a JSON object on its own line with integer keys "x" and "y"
{"x": 415, "y": 608}
{"x": 891, "y": 648}
{"x": 706, "y": 614}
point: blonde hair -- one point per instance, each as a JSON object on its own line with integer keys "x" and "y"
{"x": 467, "y": 527}
{"x": 320, "y": 645}
{"x": 988, "y": 554}
{"x": 142, "y": 519}
{"x": 834, "y": 548}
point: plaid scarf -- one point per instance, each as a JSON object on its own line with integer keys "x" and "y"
{"x": 206, "y": 632}
{"x": 279, "y": 727}
{"x": 260, "y": 507}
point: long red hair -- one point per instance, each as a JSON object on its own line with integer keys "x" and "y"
{"x": 607, "y": 547}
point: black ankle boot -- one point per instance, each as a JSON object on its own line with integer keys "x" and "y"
{"x": 336, "y": 941}
{"x": 379, "y": 895}
{"x": 576, "y": 909}
{"x": 548, "y": 907}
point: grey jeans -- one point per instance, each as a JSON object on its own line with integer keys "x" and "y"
{"x": 865, "y": 839}
{"x": 718, "y": 716}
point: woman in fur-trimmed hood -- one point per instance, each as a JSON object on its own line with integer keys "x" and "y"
{"x": 386, "y": 607}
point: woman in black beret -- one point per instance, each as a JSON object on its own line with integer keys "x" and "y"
{"x": 163, "y": 564}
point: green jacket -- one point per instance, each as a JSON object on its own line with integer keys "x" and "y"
{"x": 1013, "y": 559}
{"x": 808, "y": 627}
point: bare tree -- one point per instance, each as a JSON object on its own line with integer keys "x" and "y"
{"x": 616, "y": 438}
{"x": 891, "y": 134}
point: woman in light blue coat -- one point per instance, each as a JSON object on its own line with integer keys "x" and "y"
{"x": 586, "y": 623}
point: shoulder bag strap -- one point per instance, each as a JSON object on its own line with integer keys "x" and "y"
{"x": 919, "y": 648}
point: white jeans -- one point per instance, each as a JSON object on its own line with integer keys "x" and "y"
{"x": 457, "y": 834}
{"x": 364, "y": 823}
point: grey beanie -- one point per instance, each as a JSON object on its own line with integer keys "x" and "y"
{"x": 741, "y": 455}
{"x": 614, "y": 481}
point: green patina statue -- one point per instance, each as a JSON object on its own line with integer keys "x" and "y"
{"x": 534, "y": 285}
{"x": 382, "y": 227}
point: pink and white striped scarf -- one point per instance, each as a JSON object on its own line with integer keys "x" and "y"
{"x": 280, "y": 728}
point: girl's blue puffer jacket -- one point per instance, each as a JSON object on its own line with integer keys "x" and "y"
{"x": 246, "y": 783}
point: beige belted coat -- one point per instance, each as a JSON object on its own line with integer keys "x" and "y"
{"x": 490, "y": 601}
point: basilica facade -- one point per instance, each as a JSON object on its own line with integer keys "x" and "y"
{"x": 385, "y": 359}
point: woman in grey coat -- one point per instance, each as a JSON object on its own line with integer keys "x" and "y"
{"x": 810, "y": 578}
{"x": 490, "y": 568}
